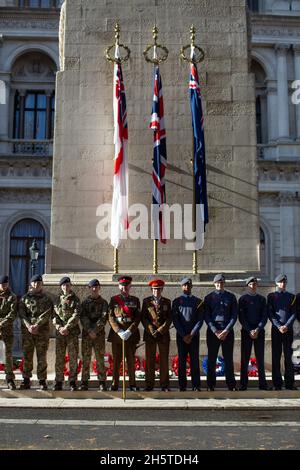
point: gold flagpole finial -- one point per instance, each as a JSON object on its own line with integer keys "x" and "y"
{"x": 157, "y": 48}
{"x": 197, "y": 53}
{"x": 120, "y": 59}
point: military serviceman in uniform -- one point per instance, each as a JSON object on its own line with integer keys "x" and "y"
{"x": 66, "y": 322}
{"x": 282, "y": 313}
{"x": 8, "y": 313}
{"x": 124, "y": 318}
{"x": 220, "y": 316}
{"x": 157, "y": 319}
{"x": 188, "y": 316}
{"x": 298, "y": 307}
{"x": 94, "y": 315}
{"x": 253, "y": 316}
{"x": 35, "y": 311}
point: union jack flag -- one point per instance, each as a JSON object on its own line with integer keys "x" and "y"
{"x": 159, "y": 159}
{"x": 119, "y": 214}
{"x": 199, "y": 153}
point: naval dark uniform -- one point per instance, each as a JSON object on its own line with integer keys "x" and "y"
{"x": 220, "y": 315}
{"x": 298, "y": 307}
{"x": 253, "y": 315}
{"x": 124, "y": 313}
{"x": 157, "y": 319}
{"x": 188, "y": 316}
{"x": 282, "y": 311}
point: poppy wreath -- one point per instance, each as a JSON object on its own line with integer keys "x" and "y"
{"x": 175, "y": 365}
{"x": 66, "y": 368}
{"x": 252, "y": 368}
{"x": 108, "y": 363}
{"x": 18, "y": 364}
{"x": 137, "y": 365}
{"x": 156, "y": 364}
{"x": 220, "y": 366}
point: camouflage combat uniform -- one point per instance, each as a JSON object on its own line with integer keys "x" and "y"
{"x": 157, "y": 319}
{"x": 94, "y": 315}
{"x": 123, "y": 318}
{"x": 35, "y": 309}
{"x": 8, "y": 313}
{"x": 67, "y": 314}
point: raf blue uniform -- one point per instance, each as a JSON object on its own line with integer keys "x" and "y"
{"x": 187, "y": 314}
{"x": 253, "y": 315}
{"x": 282, "y": 311}
{"x": 220, "y": 314}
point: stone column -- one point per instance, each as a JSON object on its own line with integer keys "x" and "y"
{"x": 290, "y": 238}
{"x": 272, "y": 110}
{"x": 282, "y": 92}
{"x": 4, "y": 106}
{"x": 296, "y": 49}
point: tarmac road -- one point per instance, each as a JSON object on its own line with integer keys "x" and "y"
{"x": 100, "y": 429}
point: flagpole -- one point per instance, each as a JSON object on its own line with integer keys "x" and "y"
{"x": 117, "y": 59}
{"x": 155, "y": 257}
{"x": 160, "y": 54}
{"x": 193, "y": 60}
{"x": 116, "y": 261}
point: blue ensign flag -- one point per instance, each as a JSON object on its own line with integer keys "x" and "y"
{"x": 199, "y": 150}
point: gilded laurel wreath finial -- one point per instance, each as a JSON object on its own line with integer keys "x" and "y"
{"x": 120, "y": 47}
{"x": 160, "y": 52}
{"x": 197, "y": 54}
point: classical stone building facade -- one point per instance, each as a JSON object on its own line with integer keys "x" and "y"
{"x": 29, "y": 59}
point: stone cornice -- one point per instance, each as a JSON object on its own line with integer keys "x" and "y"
{"x": 266, "y": 29}
{"x": 278, "y": 171}
{"x": 29, "y": 19}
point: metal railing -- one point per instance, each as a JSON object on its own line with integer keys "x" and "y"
{"x": 32, "y": 147}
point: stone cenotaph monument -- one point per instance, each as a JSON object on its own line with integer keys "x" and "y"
{"x": 84, "y": 130}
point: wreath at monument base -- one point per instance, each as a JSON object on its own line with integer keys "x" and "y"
{"x": 66, "y": 367}
{"x": 175, "y": 365}
{"x": 252, "y": 368}
{"x": 220, "y": 366}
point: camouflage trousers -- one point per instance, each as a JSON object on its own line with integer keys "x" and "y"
{"x": 40, "y": 344}
{"x": 98, "y": 345}
{"x": 64, "y": 343}
{"x": 8, "y": 339}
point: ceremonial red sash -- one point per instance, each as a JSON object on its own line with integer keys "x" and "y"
{"x": 123, "y": 306}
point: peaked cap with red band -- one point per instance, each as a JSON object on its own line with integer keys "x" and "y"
{"x": 155, "y": 283}
{"x": 125, "y": 280}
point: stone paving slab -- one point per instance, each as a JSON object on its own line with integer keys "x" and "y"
{"x": 221, "y": 399}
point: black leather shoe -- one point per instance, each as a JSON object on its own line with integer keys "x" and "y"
{"x": 11, "y": 385}
{"x": 84, "y": 386}
{"x": 266, "y": 387}
{"x": 73, "y": 387}
{"x": 25, "y": 384}
{"x": 58, "y": 386}
{"x": 133, "y": 388}
{"x": 196, "y": 389}
{"x": 102, "y": 387}
{"x": 210, "y": 389}
{"x": 165, "y": 389}
{"x": 278, "y": 388}
{"x": 232, "y": 389}
{"x": 43, "y": 385}
{"x": 242, "y": 388}
{"x": 292, "y": 387}
{"x": 182, "y": 389}
{"x": 114, "y": 388}
{"x": 148, "y": 389}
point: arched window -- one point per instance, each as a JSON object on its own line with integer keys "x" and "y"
{"x": 21, "y": 237}
{"x": 253, "y": 5}
{"x": 33, "y": 85}
{"x": 261, "y": 102}
{"x": 262, "y": 249}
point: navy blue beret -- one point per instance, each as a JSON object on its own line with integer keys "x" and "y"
{"x": 94, "y": 283}
{"x": 3, "y": 279}
{"x": 36, "y": 278}
{"x": 186, "y": 280}
{"x": 281, "y": 277}
{"x": 64, "y": 280}
{"x": 251, "y": 279}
